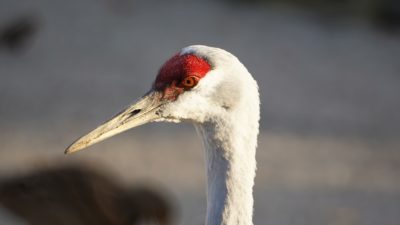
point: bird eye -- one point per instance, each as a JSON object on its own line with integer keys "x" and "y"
{"x": 190, "y": 82}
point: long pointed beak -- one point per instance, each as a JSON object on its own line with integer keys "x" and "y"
{"x": 143, "y": 111}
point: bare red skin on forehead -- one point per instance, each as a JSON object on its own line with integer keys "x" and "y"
{"x": 175, "y": 70}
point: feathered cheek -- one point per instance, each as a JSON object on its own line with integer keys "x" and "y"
{"x": 165, "y": 115}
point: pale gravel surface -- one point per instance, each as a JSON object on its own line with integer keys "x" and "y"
{"x": 300, "y": 179}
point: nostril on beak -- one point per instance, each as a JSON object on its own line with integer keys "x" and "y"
{"x": 134, "y": 112}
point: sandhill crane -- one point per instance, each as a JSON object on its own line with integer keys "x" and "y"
{"x": 212, "y": 89}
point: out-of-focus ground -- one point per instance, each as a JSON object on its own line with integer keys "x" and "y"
{"x": 300, "y": 179}
{"x": 329, "y": 151}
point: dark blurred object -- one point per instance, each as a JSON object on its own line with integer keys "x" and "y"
{"x": 387, "y": 15}
{"x": 80, "y": 196}
{"x": 16, "y": 34}
{"x": 384, "y": 13}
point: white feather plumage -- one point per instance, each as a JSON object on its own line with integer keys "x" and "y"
{"x": 224, "y": 108}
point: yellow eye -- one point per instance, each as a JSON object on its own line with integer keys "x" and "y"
{"x": 190, "y": 82}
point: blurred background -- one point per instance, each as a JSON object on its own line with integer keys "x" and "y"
{"x": 329, "y": 77}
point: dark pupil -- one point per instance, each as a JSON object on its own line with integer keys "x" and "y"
{"x": 188, "y": 81}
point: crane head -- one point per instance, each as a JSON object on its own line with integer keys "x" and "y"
{"x": 194, "y": 85}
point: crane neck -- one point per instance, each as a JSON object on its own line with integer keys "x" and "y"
{"x": 230, "y": 167}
